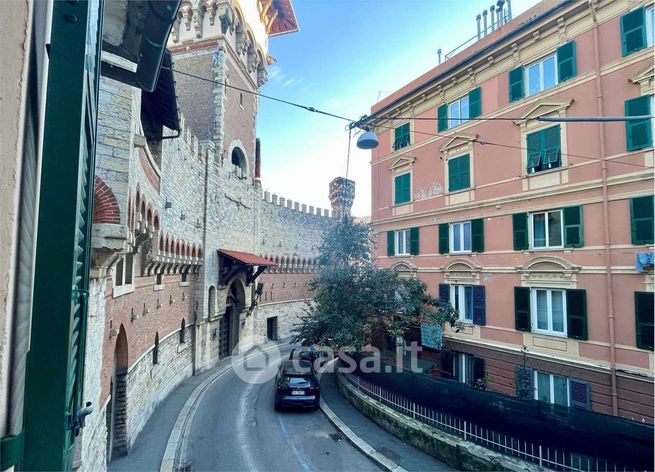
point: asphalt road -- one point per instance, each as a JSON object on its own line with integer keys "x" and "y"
{"x": 236, "y": 428}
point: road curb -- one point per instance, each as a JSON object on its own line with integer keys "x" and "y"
{"x": 359, "y": 443}
{"x": 181, "y": 423}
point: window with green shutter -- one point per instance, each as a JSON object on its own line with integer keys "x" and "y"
{"x": 442, "y": 117}
{"x": 402, "y": 188}
{"x": 576, "y": 314}
{"x": 544, "y": 149}
{"x": 444, "y": 244}
{"x": 522, "y": 308}
{"x": 573, "y": 231}
{"x": 401, "y": 135}
{"x": 641, "y": 220}
{"x": 391, "y": 243}
{"x": 639, "y": 133}
{"x": 475, "y": 102}
{"x": 477, "y": 235}
{"x": 566, "y": 66}
{"x": 459, "y": 174}
{"x": 413, "y": 241}
{"x": 644, "y": 318}
{"x": 516, "y": 89}
{"x": 633, "y": 31}
{"x": 520, "y": 229}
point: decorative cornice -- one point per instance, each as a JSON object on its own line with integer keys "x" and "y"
{"x": 544, "y": 108}
{"x": 402, "y": 161}
{"x": 458, "y": 140}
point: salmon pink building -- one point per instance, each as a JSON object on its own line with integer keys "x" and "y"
{"x": 537, "y": 228}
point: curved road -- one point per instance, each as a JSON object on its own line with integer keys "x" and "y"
{"x": 236, "y": 428}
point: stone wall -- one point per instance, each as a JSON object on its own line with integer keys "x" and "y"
{"x": 288, "y": 315}
{"x": 148, "y": 384}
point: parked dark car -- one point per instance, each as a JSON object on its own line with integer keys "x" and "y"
{"x": 296, "y": 385}
{"x": 316, "y": 355}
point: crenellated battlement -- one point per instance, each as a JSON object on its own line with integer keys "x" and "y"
{"x": 290, "y": 205}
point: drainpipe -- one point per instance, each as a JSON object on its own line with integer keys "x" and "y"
{"x": 609, "y": 298}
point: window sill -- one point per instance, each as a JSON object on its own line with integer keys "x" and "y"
{"x": 547, "y": 171}
{"x": 122, "y": 290}
{"x": 157, "y": 288}
{"x": 551, "y": 334}
{"x": 546, "y": 249}
{"x": 458, "y": 191}
{"x": 183, "y": 284}
{"x": 396, "y": 205}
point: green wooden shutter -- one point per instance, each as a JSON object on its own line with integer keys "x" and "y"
{"x": 516, "y": 91}
{"x": 444, "y": 293}
{"x": 391, "y": 243}
{"x": 639, "y": 133}
{"x": 576, "y": 313}
{"x": 55, "y": 372}
{"x": 413, "y": 241}
{"x": 644, "y": 319}
{"x": 534, "y": 143}
{"x": 477, "y": 235}
{"x": 633, "y": 31}
{"x": 443, "y": 238}
{"x": 522, "y": 308}
{"x": 459, "y": 173}
{"x": 520, "y": 227}
{"x": 552, "y": 147}
{"x": 453, "y": 175}
{"x": 475, "y": 102}
{"x": 402, "y": 189}
{"x": 641, "y": 220}
{"x": 579, "y": 394}
{"x": 442, "y": 117}
{"x": 573, "y": 227}
{"x": 465, "y": 171}
{"x": 566, "y": 67}
{"x": 479, "y": 305}
{"x": 401, "y": 135}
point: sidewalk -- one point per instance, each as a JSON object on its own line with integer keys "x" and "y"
{"x": 406, "y": 456}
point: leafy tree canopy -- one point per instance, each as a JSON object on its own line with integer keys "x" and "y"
{"x": 353, "y": 299}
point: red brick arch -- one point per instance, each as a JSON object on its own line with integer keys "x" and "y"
{"x": 105, "y": 209}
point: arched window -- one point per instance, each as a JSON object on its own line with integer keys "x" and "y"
{"x": 238, "y": 159}
{"x": 182, "y": 331}
{"x": 211, "y": 304}
{"x": 155, "y": 351}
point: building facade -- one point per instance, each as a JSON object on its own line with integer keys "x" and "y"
{"x": 190, "y": 255}
{"x": 535, "y": 231}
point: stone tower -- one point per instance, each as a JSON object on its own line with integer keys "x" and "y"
{"x": 342, "y": 194}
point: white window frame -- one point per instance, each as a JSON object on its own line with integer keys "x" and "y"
{"x": 123, "y": 287}
{"x": 540, "y": 62}
{"x": 460, "y": 119}
{"x": 549, "y": 311}
{"x": 397, "y": 242}
{"x": 551, "y": 394}
{"x": 531, "y": 230}
{"x": 451, "y": 243}
{"x": 650, "y": 24}
{"x": 460, "y": 358}
{"x": 460, "y": 292}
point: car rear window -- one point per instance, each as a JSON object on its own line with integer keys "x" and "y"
{"x": 298, "y": 381}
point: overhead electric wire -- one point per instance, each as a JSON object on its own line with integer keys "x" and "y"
{"x": 437, "y": 135}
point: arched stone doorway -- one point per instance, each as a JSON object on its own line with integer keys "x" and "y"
{"x": 230, "y": 323}
{"x": 116, "y": 413}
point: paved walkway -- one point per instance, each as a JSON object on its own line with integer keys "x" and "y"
{"x": 406, "y": 456}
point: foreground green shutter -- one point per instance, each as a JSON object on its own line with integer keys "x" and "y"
{"x": 522, "y": 308}
{"x": 516, "y": 90}
{"x": 520, "y": 227}
{"x": 413, "y": 241}
{"x": 566, "y": 67}
{"x": 442, "y": 117}
{"x": 535, "y": 150}
{"x": 401, "y": 135}
{"x": 477, "y": 235}
{"x": 633, "y": 31}
{"x": 641, "y": 220}
{"x": 475, "y": 102}
{"x": 391, "y": 243}
{"x": 573, "y": 232}
{"x": 459, "y": 173}
{"x": 55, "y": 370}
{"x": 638, "y": 133}
{"x": 644, "y": 318}
{"x": 402, "y": 189}
{"x": 576, "y": 313}
{"x": 443, "y": 238}
{"x": 552, "y": 146}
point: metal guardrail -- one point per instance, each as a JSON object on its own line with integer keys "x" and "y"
{"x": 544, "y": 456}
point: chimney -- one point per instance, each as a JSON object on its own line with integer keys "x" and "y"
{"x": 439, "y": 55}
{"x": 509, "y": 10}
{"x": 478, "y": 18}
{"x": 484, "y": 21}
{"x": 499, "y": 13}
{"x": 258, "y": 159}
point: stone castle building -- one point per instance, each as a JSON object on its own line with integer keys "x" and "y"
{"x": 183, "y": 233}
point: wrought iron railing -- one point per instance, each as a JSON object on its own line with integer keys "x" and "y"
{"x": 544, "y": 456}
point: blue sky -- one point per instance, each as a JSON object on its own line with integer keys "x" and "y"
{"x": 346, "y": 55}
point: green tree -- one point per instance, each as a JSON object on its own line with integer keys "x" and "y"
{"x": 354, "y": 300}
